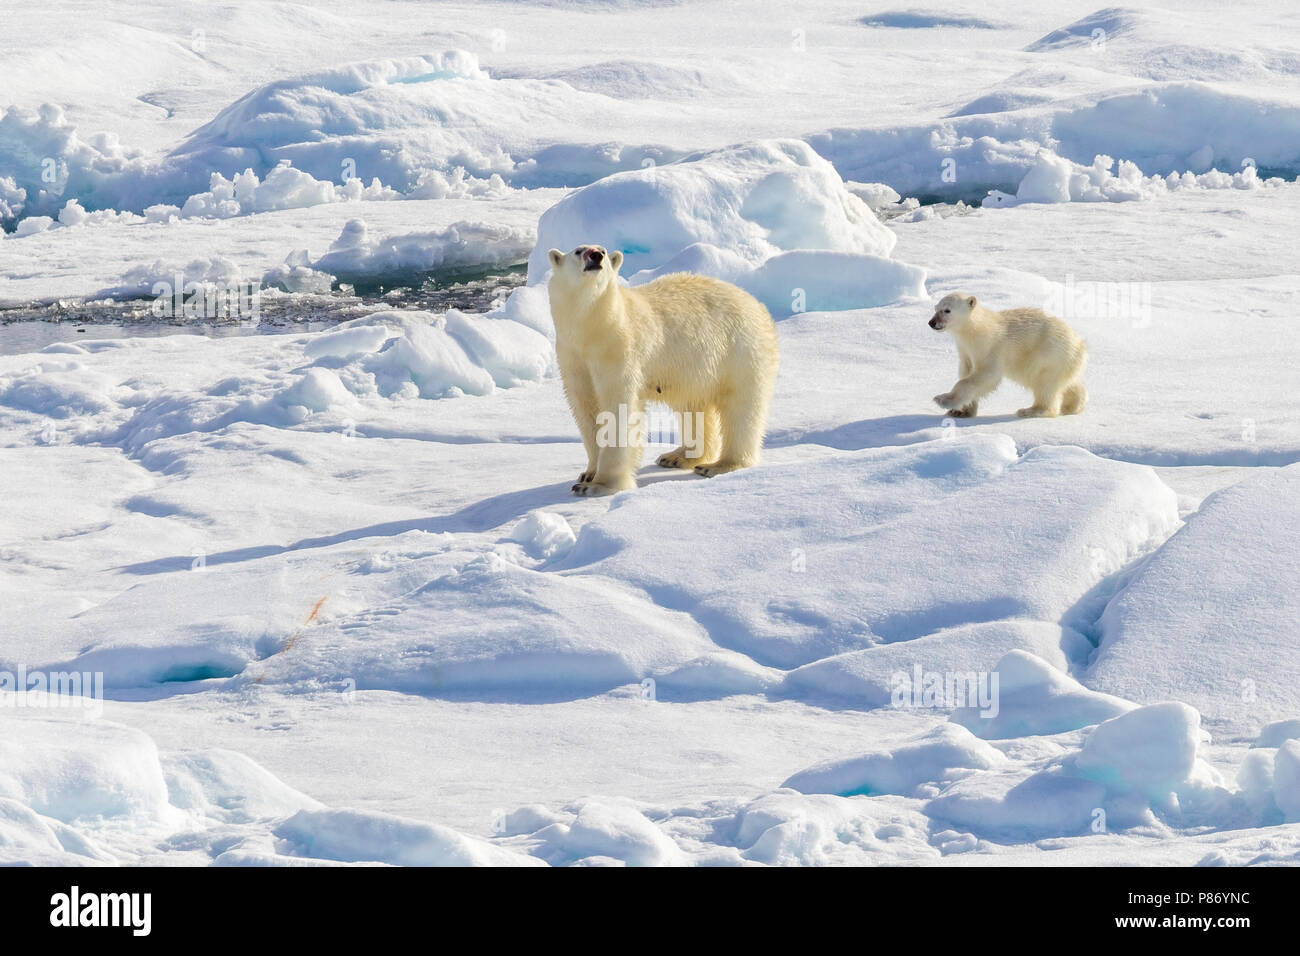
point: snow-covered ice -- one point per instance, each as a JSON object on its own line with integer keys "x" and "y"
{"x": 324, "y": 598}
{"x": 1208, "y": 628}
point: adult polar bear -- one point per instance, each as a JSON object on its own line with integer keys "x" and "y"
{"x": 705, "y": 348}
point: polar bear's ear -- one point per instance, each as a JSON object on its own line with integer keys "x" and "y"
{"x": 970, "y": 302}
{"x": 615, "y": 260}
{"x": 556, "y": 258}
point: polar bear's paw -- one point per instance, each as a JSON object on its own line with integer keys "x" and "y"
{"x": 676, "y": 458}
{"x": 946, "y": 400}
{"x": 1035, "y": 411}
{"x": 966, "y": 411}
{"x": 717, "y": 468}
{"x": 591, "y": 489}
{"x": 585, "y": 477}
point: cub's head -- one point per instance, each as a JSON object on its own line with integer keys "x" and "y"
{"x": 953, "y": 309}
{"x": 587, "y": 268}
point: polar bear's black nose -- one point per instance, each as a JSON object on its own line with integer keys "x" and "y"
{"x": 936, "y": 323}
{"x": 593, "y": 257}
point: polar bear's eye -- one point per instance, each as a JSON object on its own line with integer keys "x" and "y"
{"x": 946, "y": 311}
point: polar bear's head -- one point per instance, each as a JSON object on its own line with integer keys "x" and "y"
{"x": 587, "y": 268}
{"x": 953, "y": 309}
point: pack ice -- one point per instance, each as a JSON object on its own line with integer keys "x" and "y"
{"x": 341, "y": 606}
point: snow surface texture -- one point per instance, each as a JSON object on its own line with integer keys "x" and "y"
{"x": 343, "y": 608}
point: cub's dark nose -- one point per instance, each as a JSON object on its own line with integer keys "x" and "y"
{"x": 936, "y": 323}
{"x": 593, "y": 257}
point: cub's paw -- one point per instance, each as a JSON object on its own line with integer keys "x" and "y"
{"x": 1034, "y": 411}
{"x": 946, "y": 400}
{"x": 585, "y": 477}
{"x": 966, "y": 411}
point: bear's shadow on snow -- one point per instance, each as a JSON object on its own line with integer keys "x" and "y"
{"x": 879, "y": 432}
{"x": 495, "y": 511}
{"x": 479, "y": 516}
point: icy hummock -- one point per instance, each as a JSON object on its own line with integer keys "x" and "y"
{"x": 772, "y": 217}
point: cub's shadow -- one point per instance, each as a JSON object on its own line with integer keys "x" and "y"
{"x": 878, "y": 432}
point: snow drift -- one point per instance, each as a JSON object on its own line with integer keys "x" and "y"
{"x": 772, "y": 217}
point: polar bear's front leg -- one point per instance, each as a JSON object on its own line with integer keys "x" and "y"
{"x": 964, "y": 367}
{"x": 620, "y": 441}
{"x": 581, "y": 394}
{"x": 969, "y": 390}
{"x": 586, "y": 418}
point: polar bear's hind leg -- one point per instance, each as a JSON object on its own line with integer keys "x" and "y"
{"x": 743, "y": 418}
{"x": 1075, "y": 399}
{"x": 700, "y": 432}
{"x": 1048, "y": 387}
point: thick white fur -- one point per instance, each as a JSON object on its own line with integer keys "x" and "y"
{"x": 699, "y": 345}
{"x": 1028, "y": 346}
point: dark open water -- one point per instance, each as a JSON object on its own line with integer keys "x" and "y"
{"x": 31, "y": 328}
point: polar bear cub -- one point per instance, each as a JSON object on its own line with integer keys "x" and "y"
{"x": 1028, "y": 346}
{"x": 705, "y": 348}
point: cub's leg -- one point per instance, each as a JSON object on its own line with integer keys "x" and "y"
{"x": 1075, "y": 399}
{"x": 970, "y": 409}
{"x": 1047, "y": 397}
{"x": 971, "y": 388}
